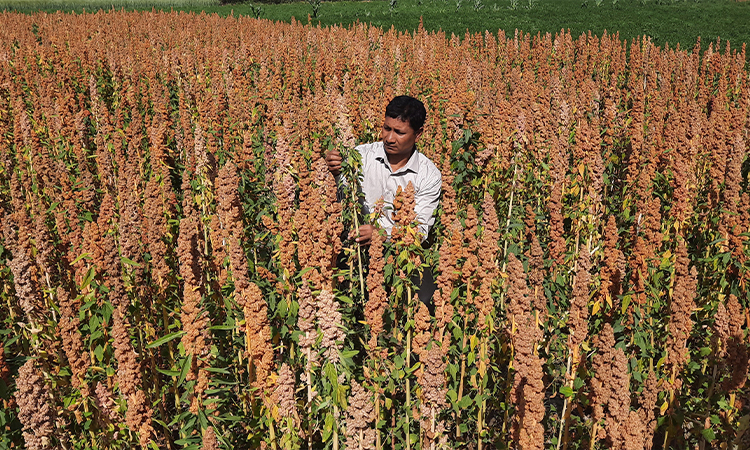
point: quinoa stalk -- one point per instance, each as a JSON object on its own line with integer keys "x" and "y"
{"x": 483, "y": 373}
{"x": 594, "y": 431}
{"x": 407, "y": 366}
{"x": 432, "y": 429}
{"x": 308, "y": 375}
{"x": 566, "y": 411}
{"x": 461, "y": 379}
{"x": 335, "y": 428}
{"x": 377, "y": 419}
{"x": 272, "y": 433}
{"x": 360, "y": 270}
{"x": 509, "y": 216}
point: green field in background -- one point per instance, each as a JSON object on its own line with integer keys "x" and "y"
{"x": 664, "y": 21}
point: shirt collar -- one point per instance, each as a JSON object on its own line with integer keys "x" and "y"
{"x": 411, "y": 165}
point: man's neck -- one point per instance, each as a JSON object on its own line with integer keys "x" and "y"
{"x": 398, "y": 162}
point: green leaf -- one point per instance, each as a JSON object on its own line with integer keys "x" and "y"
{"x": 169, "y": 373}
{"x": 328, "y": 427}
{"x": 229, "y": 418}
{"x": 87, "y": 278}
{"x": 342, "y": 396}
{"x": 165, "y": 339}
{"x": 95, "y": 335}
{"x": 186, "y": 364}
{"x": 202, "y": 419}
{"x": 99, "y": 353}
{"x": 625, "y": 302}
{"x": 333, "y": 377}
{"x": 567, "y": 391}
{"x": 94, "y": 322}
{"x": 708, "y": 434}
{"x": 129, "y": 262}
{"x": 80, "y": 257}
{"x": 349, "y": 354}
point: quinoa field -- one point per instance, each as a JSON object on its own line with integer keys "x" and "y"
{"x": 176, "y": 270}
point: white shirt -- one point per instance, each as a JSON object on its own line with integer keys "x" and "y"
{"x": 379, "y": 181}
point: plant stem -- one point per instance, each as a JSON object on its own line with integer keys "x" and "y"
{"x": 510, "y": 213}
{"x": 272, "y": 433}
{"x": 461, "y": 380}
{"x": 359, "y": 247}
{"x": 377, "y": 419}
{"x": 407, "y": 366}
{"x": 671, "y": 399}
{"x": 594, "y": 431}
{"x": 308, "y": 374}
{"x": 566, "y": 412}
{"x": 432, "y": 430}
{"x": 335, "y": 428}
{"x": 359, "y": 259}
{"x": 482, "y": 374}
{"x": 171, "y": 357}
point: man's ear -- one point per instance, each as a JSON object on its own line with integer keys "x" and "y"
{"x": 419, "y": 133}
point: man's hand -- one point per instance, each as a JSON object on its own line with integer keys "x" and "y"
{"x": 333, "y": 160}
{"x": 364, "y": 235}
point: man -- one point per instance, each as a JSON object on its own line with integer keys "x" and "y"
{"x": 395, "y": 161}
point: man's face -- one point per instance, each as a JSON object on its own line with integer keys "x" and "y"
{"x": 398, "y": 137}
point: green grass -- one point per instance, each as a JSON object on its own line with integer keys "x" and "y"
{"x": 665, "y": 21}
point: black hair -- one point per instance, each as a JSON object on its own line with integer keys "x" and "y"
{"x": 408, "y": 109}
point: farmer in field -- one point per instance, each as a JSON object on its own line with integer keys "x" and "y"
{"x": 395, "y": 161}
{"x": 392, "y": 162}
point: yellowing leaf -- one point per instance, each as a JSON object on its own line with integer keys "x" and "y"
{"x": 663, "y": 408}
{"x": 474, "y": 341}
{"x": 597, "y": 306}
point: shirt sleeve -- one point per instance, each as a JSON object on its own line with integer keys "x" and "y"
{"x": 426, "y": 201}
